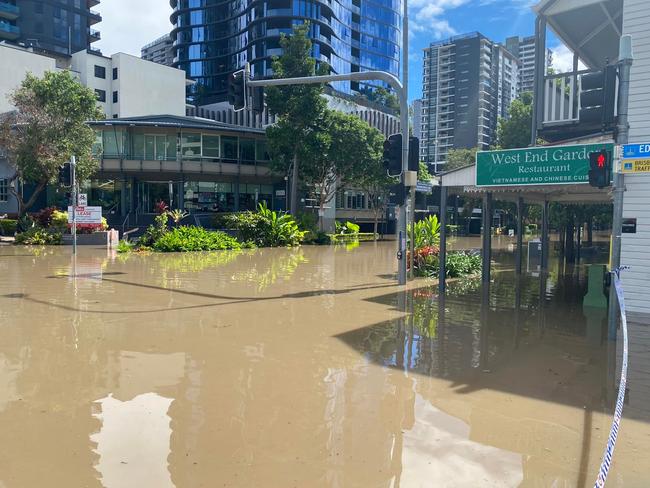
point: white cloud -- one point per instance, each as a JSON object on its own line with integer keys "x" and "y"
{"x": 425, "y": 16}
{"x": 127, "y": 25}
{"x": 563, "y": 59}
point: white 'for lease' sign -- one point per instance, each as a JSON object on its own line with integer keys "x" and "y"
{"x": 86, "y": 215}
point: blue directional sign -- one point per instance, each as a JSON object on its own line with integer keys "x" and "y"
{"x": 636, "y": 151}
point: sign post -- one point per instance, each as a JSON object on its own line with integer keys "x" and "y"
{"x": 73, "y": 164}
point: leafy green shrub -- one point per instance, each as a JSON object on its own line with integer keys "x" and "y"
{"x": 8, "y": 226}
{"x": 124, "y": 246}
{"x": 427, "y": 232}
{"x": 59, "y": 220}
{"x": 463, "y": 263}
{"x": 39, "y": 237}
{"x": 459, "y": 263}
{"x": 192, "y": 238}
{"x": 265, "y": 228}
{"x": 347, "y": 228}
{"x": 319, "y": 238}
{"x": 154, "y": 232}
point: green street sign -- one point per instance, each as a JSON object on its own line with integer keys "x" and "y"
{"x": 548, "y": 165}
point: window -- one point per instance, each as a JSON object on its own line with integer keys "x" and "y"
{"x": 38, "y": 27}
{"x": 115, "y": 73}
{"x": 190, "y": 145}
{"x": 4, "y": 189}
{"x": 229, "y": 149}
{"x": 114, "y": 97}
{"x": 210, "y": 146}
{"x": 247, "y": 150}
{"x": 100, "y": 72}
{"x": 101, "y": 95}
{"x": 38, "y": 7}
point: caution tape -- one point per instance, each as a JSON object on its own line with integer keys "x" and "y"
{"x": 620, "y": 400}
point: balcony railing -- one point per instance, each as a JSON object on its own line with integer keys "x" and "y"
{"x": 562, "y": 97}
{"x": 9, "y": 11}
{"x": 8, "y": 31}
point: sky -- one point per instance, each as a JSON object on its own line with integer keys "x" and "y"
{"x": 127, "y": 25}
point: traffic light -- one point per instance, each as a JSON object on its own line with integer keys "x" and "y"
{"x": 600, "y": 168}
{"x": 237, "y": 90}
{"x": 598, "y": 97}
{"x": 65, "y": 175}
{"x": 258, "y": 100}
{"x": 393, "y": 155}
{"x": 396, "y": 194}
{"x": 414, "y": 154}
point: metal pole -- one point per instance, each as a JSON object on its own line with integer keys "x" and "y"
{"x": 442, "y": 256}
{"x": 402, "y": 93}
{"x": 623, "y": 131}
{"x": 540, "y": 71}
{"x": 520, "y": 234}
{"x": 405, "y": 131}
{"x": 545, "y": 239}
{"x": 486, "y": 247}
{"x": 73, "y": 169}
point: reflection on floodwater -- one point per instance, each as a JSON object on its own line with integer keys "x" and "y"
{"x": 304, "y": 367}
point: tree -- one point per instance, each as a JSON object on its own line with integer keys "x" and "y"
{"x": 514, "y": 132}
{"x": 297, "y": 107}
{"x": 46, "y": 130}
{"x": 370, "y": 175}
{"x": 459, "y": 158}
{"x": 332, "y": 153}
{"x": 423, "y": 172}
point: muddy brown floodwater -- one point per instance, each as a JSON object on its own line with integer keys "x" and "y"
{"x": 306, "y": 368}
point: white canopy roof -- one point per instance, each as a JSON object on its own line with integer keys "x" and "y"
{"x": 591, "y": 28}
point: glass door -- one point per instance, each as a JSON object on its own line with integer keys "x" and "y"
{"x": 152, "y": 192}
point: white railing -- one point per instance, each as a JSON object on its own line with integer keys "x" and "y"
{"x": 562, "y": 97}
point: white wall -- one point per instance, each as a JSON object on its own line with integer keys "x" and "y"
{"x": 634, "y": 253}
{"x": 15, "y": 64}
{"x": 143, "y": 87}
{"x": 147, "y": 88}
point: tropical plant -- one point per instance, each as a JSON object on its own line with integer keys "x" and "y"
{"x": 462, "y": 263}
{"x": 155, "y": 231}
{"x": 47, "y": 128}
{"x": 265, "y": 228}
{"x": 39, "y": 237}
{"x": 124, "y": 246}
{"x": 192, "y": 238}
{"x": 349, "y": 228}
{"x": 161, "y": 207}
{"x": 426, "y": 232}
{"x": 177, "y": 215}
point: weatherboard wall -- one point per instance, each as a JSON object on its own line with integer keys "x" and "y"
{"x": 635, "y": 247}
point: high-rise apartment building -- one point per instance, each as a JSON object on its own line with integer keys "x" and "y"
{"x": 58, "y": 26}
{"x": 468, "y": 83}
{"x": 524, "y": 49}
{"x": 160, "y": 51}
{"x": 211, "y": 40}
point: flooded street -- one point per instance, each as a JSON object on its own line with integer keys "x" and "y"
{"x": 304, "y": 368}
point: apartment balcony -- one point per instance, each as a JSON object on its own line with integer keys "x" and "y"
{"x": 9, "y": 11}
{"x": 9, "y": 32}
{"x": 93, "y": 3}
{"x": 94, "y": 35}
{"x": 94, "y": 17}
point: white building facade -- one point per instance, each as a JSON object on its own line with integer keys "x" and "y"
{"x": 127, "y": 86}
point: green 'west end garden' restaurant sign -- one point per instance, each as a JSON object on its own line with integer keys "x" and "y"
{"x": 548, "y": 165}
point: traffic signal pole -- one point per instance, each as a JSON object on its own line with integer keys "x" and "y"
{"x": 402, "y": 94}
{"x": 623, "y": 130}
